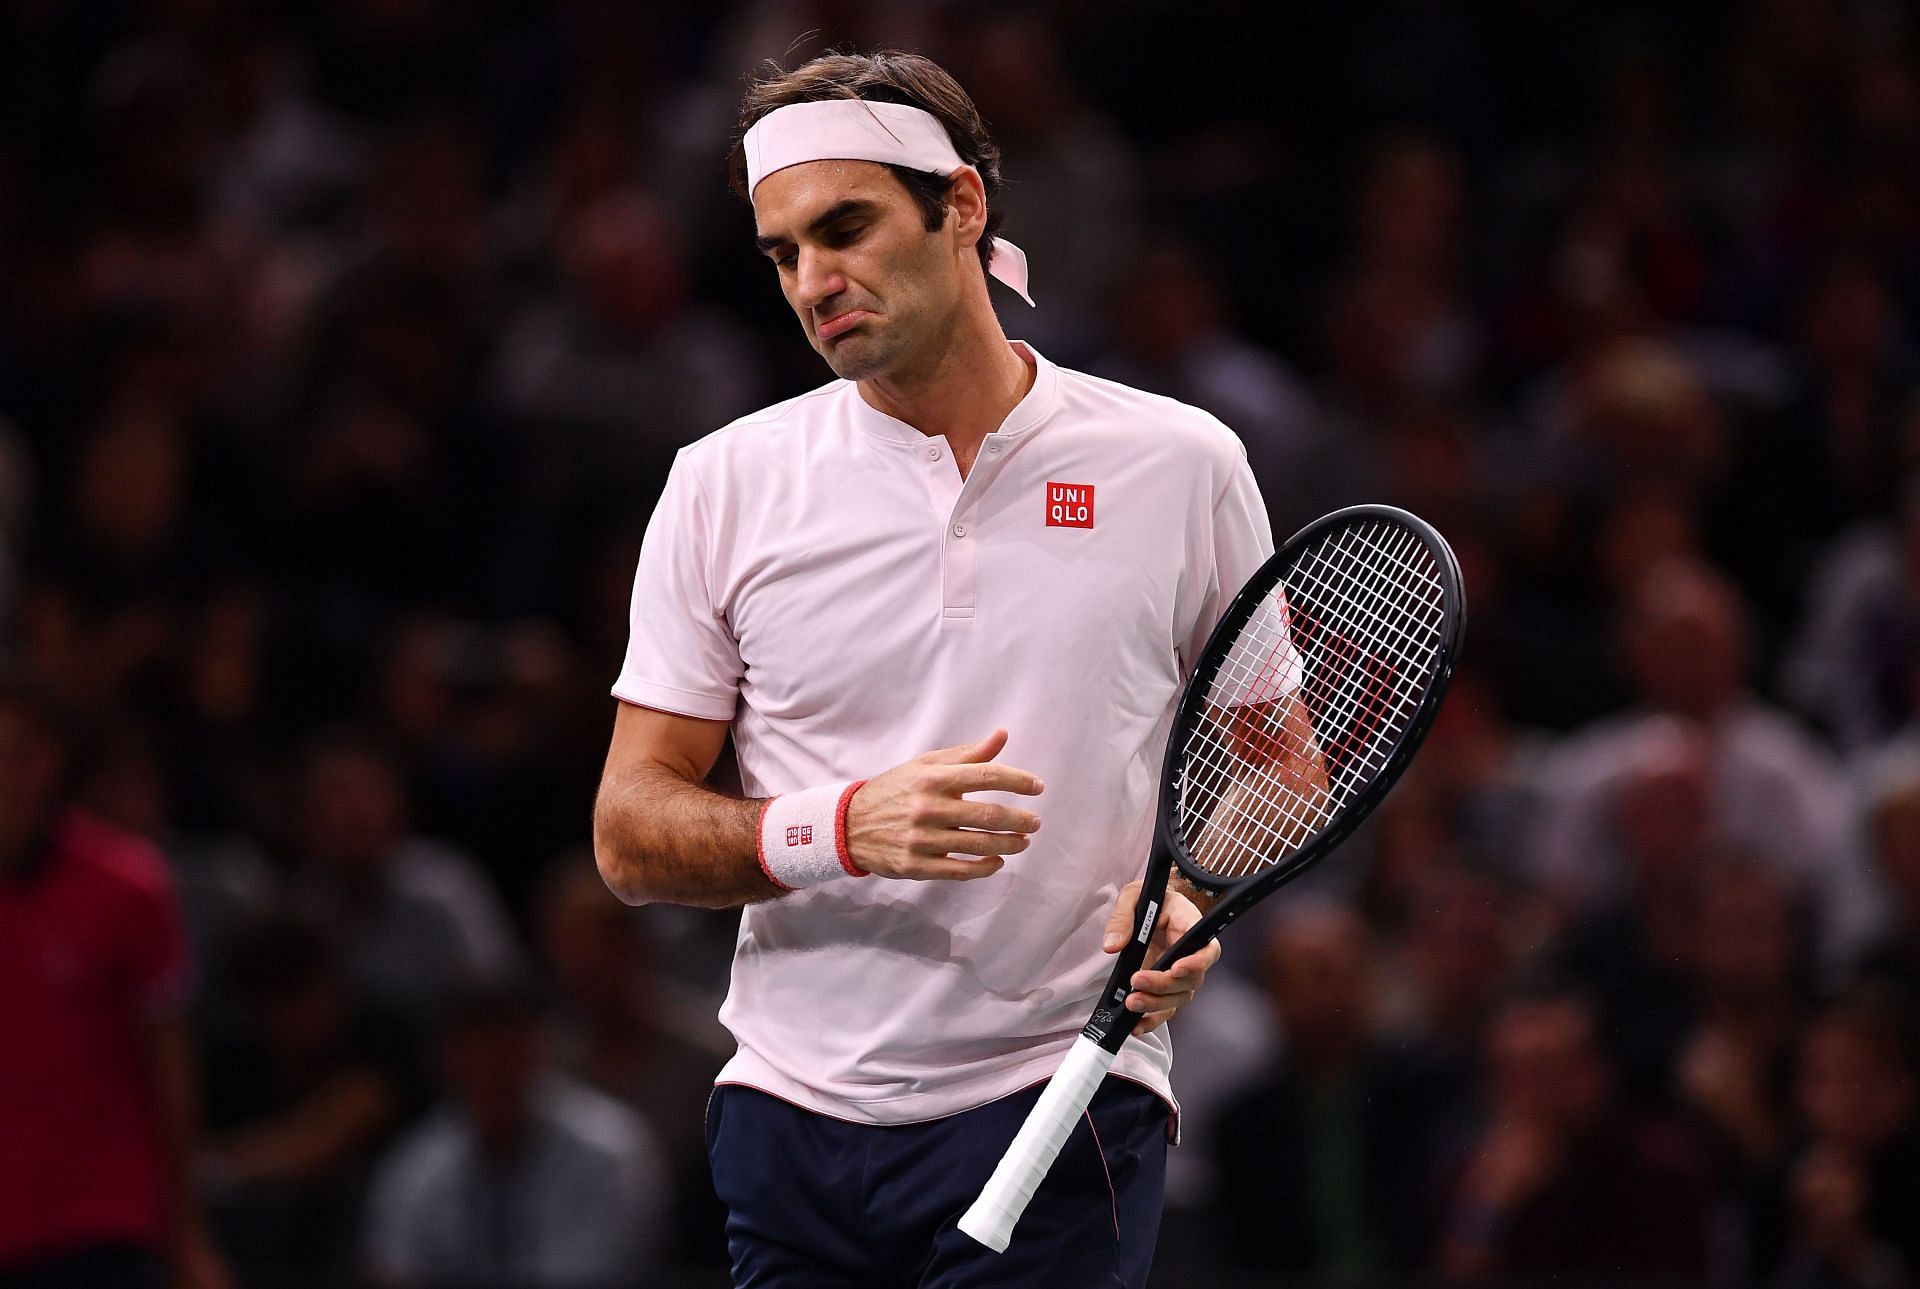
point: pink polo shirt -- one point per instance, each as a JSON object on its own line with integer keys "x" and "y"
{"x": 819, "y": 575}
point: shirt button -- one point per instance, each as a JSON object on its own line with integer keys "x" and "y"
{"x": 933, "y": 454}
{"x": 993, "y": 449}
{"x": 959, "y": 530}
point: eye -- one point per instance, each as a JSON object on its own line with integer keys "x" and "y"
{"x": 846, "y": 234}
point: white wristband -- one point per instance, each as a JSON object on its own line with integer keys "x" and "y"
{"x": 803, "y": 836}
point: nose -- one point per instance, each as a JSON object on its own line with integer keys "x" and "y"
{"x": 817, "y": 278}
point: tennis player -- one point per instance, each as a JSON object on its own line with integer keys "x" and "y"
{"x": 948, "y": 595}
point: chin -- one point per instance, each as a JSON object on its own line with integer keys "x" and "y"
{"x": 856, "y": 359}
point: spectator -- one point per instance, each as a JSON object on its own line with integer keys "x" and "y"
{"x": 1172, "y": 327}
{"x": 98, "y": 1104}
{"x": 304, "y": 1083}
{"x": 1635, "y": 952}
{"x": 1750, "y": 986}
{"x": 1893, "y": 830}
{"x": 1855, "y": 668}
{"x": 1847, "y": 1198}
{"x": 416, "y": 920}
{"x": 521, "y": 1177}
{"x": 1773, "y": 793}
{"x": 620, "y": 364}
{"x": 1563, "y": 1180}
{"x": 1323, "y": 1167}
{"x": 621, "y": 1028}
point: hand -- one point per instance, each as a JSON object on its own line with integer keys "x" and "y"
{"x": 1830, "y": 1197}
{"x": 1157, "y": 995}
{"x": 914, "y": 819}
{"x": 1723, "y": 1076}
{"x": 1514, "y": 1160}
{"x": 197, "y": 1264}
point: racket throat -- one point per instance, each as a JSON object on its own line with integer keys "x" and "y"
{"x": 1112, "y": 1022}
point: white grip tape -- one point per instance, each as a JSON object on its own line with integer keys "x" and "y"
{"x": 1004, "y": 1198}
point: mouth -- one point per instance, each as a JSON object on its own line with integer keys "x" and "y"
{"x": 840, "y": 324}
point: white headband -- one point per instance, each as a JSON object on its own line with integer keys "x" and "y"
{"x": 851, "y": 129}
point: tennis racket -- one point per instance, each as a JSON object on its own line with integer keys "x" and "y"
{"x": 1312, "y": 694}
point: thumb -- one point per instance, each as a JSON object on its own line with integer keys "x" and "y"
{"x": 969, "y": 753}
{"x": 1120, "y": 923}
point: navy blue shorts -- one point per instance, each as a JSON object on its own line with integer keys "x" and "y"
{"x": 818, "y": 1202}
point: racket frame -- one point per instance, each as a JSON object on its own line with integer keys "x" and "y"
{"x": 1112, "y": 1022}
{"x": 994, "y": 1214}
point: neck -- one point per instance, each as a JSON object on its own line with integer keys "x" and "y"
{"x": 965, "y": 390}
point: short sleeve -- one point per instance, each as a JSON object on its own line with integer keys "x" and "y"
{"x": 1241, "y": 540}
{"x": 681, "y": 656}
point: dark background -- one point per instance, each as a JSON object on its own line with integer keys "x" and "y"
{"x": 344, "y": 347}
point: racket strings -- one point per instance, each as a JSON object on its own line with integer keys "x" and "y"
{"x": 1321, "y": 681}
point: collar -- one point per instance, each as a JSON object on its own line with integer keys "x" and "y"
{"x": 1027, "y": 416}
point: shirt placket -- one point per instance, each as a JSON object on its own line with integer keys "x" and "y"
{"x": 957, "y": 502}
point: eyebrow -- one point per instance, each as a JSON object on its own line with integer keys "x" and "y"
{"x": 831, "y": 215}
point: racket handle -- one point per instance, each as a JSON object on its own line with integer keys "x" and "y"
{"x": 1004, "y": 1198}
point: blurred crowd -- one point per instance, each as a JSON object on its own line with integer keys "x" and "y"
{"x": 343, "y": 352}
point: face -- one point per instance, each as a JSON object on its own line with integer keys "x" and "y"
{"x": 873, "y": 289}
{"x": 1853, "y": 1094}
{"x": 352, "y": 811}
{"x": 1318, "y": 969}
{"x": 491, "y": 1068}
{"x": 1542, "y": 1065}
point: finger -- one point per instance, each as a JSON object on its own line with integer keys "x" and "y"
{"x": 1149, "y": 1004}
{"x": 991, "y": 777}
{"x": 1152, "y": 1021}
{"x": 958, "y": 841}
{"x": 1187, "y": 973}
{"x": 984, "y": 815}
{"x": 1171, "y": 981}
{"x": 1120, "y": 922}
{"x": 983, "y": 750}
{"x": 951, "y": 870}
{"x": 1180, "y": 916}
{"x": 1200, "y": 959}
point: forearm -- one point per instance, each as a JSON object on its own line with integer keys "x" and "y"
{"x": 176, "y": 1096}
{"x": 660, "y": 839}
{"x": 331, "y": 1127}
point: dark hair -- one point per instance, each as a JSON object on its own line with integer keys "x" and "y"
{"x": 887, "y": 76}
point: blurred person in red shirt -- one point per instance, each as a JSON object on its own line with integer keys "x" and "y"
{"x": 97, "y": 1104}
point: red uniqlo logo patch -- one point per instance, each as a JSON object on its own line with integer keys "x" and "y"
{"x": 800, "y": 835}
{"x": 1069, "y": 505}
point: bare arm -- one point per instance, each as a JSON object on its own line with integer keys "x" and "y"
{"x": 659, "y": 834}
{"x": 332, "y": 1125}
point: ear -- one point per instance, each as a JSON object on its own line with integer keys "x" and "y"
{"x": 968, "y": 197}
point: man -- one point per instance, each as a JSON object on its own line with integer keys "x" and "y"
{"x": 1563, "y": 1180}
{"x": 522, "y": 1176}
{"x": 97, "y": 1111}
{"x": 957, "y": 546}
